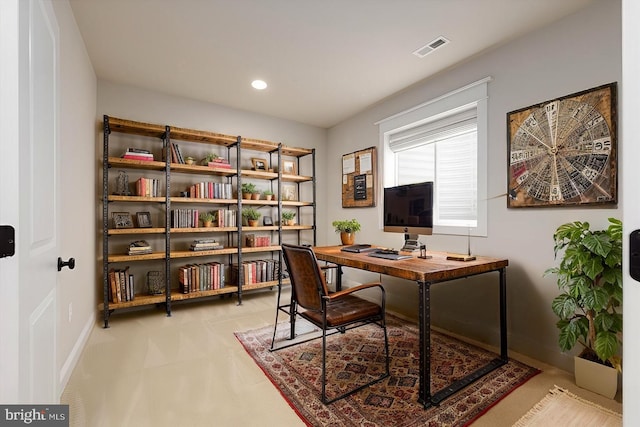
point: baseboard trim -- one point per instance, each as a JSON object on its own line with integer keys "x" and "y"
{"x": 74, "y": 356}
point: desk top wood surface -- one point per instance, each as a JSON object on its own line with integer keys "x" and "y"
{"x": 436, "y": 269}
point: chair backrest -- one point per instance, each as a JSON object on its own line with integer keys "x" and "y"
{"x": 307, "y": 281}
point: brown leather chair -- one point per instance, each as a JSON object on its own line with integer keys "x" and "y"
{"x": 338, "y": 311}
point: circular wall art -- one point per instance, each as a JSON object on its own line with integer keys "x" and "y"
{"x": 563, "y": 152}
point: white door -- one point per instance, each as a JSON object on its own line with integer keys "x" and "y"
{"x": 630, "y": 153}
{"x": 30, "y": 79}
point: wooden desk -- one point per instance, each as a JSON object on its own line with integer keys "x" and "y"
{"x": 426, "y": 272}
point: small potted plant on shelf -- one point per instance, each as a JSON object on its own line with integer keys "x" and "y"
{"x": 288, "y": 217}
{"x": 256, "y": 194}
{"x": 189, "y": 160}
{"x": 251, "y": 215}
{"x": 207, "y": 219}
{"x": 590, "y": 279}
{"x": 247, "y": 189}
{"x": 268, "y": 194}
{"x": 347, "y": 229}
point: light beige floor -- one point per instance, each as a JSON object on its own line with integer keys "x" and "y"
{"x": 189, "y": 370}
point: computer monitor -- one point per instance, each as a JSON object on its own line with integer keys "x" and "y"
{"x": 409, "y": 209}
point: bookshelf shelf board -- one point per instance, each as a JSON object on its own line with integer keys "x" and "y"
{"x": 191, "y": 254}
{"x": 246, "y": 250}
{"x": 258, "y": 145}
{"x": 296, "y": 178}
{"x": 203, "y": 200}
{"x": 179, "y": 296}
{"x": 126, "y": 231}
{"x": 296, "y": 203}
{"x": 201, "y": 136}
{"x": 260, "y": 202}
{"x": 136, "y": 164}
{"x": 259, "y": 174}
{"x": 138, "y": 301}
{"x": 297, "y": 227}
{"x": 260, "y": 228}
{"x": 116, "y": 198}
{"x": 136, "y": 128}
{"x": 202, "y": 170}
{"x": 130, "y": 258}
{"x": 203, "y": 229}
{"x": 259, "y": 285}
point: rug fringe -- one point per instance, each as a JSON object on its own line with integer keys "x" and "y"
{"x": 556, "y": 391}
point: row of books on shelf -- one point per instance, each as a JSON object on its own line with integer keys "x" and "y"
{"x": 256, "y": 271}
{"x": 205, "y": 245}
{"x": 201, "y": 277}
{"x": 190, "y": 218}
{"x": 121, "y": 286}
{"x": 148, "y": 187}
{"x": 138, "y": 154}
{"x": 253, "y": 241}
{"x": 211, "y": 190}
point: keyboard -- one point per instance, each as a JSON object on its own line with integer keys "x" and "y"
{"x": 389, "y": 255}
{"x": 358, "y": 248}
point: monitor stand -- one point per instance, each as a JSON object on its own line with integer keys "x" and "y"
{"x": 411, "y": 242}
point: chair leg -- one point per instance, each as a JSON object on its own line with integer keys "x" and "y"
{"x": 327, "y": 401}
{"x": 275, "y": 324}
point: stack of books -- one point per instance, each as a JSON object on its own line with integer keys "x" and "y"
{"x": 220, "y": 163}
{"x": 138, "y": 154}
{"x": 139, "y": 247}
{"x": 205, "y": 245}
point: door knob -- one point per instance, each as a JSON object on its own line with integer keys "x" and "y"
{"x": 71, "y": 263}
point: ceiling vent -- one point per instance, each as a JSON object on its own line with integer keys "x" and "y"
{"x": 430, "y": 47}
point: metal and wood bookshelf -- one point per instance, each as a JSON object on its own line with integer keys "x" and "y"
{"x": 170, "y": 243}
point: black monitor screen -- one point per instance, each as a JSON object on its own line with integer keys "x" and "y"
{"x": 409, "y": 208}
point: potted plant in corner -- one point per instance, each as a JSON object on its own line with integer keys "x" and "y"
{"x": 590, "y": 279}
{"x": 347, "y": 229}
{"x": 252, "y": 216}
{"x": 288, "y": 217}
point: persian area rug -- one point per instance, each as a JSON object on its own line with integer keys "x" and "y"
{"x": 563, "y": 408}
{"x": 358, "y": 355}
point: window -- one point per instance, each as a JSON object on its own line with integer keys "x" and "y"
{"x": 444, "y": 141}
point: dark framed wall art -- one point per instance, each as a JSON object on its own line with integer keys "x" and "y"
{"x": 563, "y": 152}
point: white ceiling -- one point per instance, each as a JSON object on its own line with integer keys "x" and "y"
{"x": 324, "y": 60}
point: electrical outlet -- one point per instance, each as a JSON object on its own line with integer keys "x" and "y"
{"x": 70, "y": 311}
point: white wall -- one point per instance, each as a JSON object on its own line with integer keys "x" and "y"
{"x": 576, "y": 53}
{"x": 78, "y": 88}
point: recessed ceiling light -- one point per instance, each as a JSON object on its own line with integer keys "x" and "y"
{"x": 259, "y": 84}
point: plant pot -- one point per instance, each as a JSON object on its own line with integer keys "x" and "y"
{"x": 347, "y": 238}
{"x": 252, "y": 222}
{"x": 290, "y": 222}
{"x": 268, "y": 196}
{"x": 596, "y": 377}
{"x": 246, "y": 196}
{"x": 255, "y": 196}
{"x": 207, "y": 223}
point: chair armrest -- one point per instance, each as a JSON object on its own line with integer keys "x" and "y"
{"x": 348, "y": 291}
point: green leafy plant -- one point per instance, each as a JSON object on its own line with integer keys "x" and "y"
{"x": 248, "y": 187}
{"x": 590, "y": 278}
{"x": 346, "y": 226}
{"x": 251, "y": 213}
{"x": 288, "y": 215}
{"x": 209, "y": 158}
{"x": 267, "y": 193}
{"x": 207, "y": 217}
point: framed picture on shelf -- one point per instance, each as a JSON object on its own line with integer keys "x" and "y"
{"x": 143, "y": 219}
{"x": 289, "y": 192}
{"x": 122, "y": 220}
{"x": 259, "y": 164}
{"x": 289, "y": 167}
